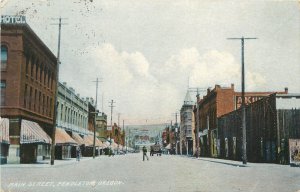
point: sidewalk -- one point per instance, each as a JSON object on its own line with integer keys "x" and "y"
{"x": 46, "y": 163}
{"x": 232, "y": 162}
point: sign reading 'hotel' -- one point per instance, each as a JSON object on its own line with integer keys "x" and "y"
{"x": 13, "y": 19}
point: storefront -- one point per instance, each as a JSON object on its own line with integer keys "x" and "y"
{"x": 34, "y": 142}
{"x": 63, "y": 144}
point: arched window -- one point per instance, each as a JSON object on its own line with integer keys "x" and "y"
{"x": 3, "y": 56}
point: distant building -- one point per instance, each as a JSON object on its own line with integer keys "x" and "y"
{"x": 28, "y": 86}
{"x": 187, "y": 126}
{"x": 101, "y": 123}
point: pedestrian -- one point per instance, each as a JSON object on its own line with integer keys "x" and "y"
{"x": 145, "y": 153}
{"x": 78, "y": 153}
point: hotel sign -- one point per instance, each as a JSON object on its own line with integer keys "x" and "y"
{"x": 248, "y": 100}
{"x": 13, "y": 19}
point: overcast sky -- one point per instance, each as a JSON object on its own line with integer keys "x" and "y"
{"x": 148, "y": 52}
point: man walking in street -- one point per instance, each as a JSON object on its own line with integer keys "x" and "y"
{"x": 145, "y": 153}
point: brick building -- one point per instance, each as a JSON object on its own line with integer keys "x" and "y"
{"x": 215, "y": 103}
{"x": 28, "y": 86}
{"x": 270, "y": 123}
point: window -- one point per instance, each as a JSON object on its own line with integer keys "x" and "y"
{"x": 32, "y": 67}
{"x": 36, "y": 71}
{"x": 27, "y": 64}
{"x": 25, "y": 95}
{"x": 3, "y": 56}
{"x": 3, "y": 87}
{"x": 40, "y": 104}
{"x": 35, "y": 99}
{"x": 30, "y": 97}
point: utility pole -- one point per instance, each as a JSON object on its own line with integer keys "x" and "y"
{"x": 56, "y": 92}
{"x": 95, "y": 113}
{"x": 176, "y": 133}
{"x": 243, "y": 97}
{"x": 111, "y": 112}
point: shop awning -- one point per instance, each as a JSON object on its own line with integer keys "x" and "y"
{"x": 78, "y": 138}
{"x": 31, "y": 132}
{"x": 99, "y": 143}
{"x": 89, "y": 141}
{"x": 63, "y": 138}
{"x": 4, "y": 128}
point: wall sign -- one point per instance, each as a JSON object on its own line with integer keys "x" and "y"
{"x": 13, "y": 19}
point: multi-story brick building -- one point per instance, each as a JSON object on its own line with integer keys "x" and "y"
{"x": 28, "y": 86}
{"x": 215, "y": 103}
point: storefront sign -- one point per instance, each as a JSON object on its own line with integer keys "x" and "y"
{"x": 248, "y": 100}
{"x": 294, "y": 147}
{"x": 13, "y": 19}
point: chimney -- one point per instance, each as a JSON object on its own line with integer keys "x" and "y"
{"x": 286, "y": 90}
{"x": 232, "y": 86}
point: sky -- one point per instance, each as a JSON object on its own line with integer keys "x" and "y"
{"x": 148, "y": 52}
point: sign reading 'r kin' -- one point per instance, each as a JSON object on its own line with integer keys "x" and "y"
{"x": 13, "y": 19}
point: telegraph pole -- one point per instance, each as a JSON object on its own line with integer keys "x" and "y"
{"x": 243, "y": 97}
{"x": 56, "y": 92}
{"x": 95, "y": 113}
{"x": 111, "y": 112}
{"x": 176, "y": 132}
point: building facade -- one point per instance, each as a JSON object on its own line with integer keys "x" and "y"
{"x": 72, "y": 122}
{"x": 187, "y": 126}
{"x": 28, "y": 86}
{"x": 270, "y": 123}
{"x": 215, "y": 103}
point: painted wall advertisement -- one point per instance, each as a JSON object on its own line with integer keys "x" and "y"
{"x": 294, "y": 147}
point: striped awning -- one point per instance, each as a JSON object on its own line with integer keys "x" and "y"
{"x": 63, "y": 138}
{"x": 4, "y": 128}
{"x": 78, "y": 138}
{"x": 31, "y": 132}
{"x": 89, "y": 141}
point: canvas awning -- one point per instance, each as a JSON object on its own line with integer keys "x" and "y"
{"x": 31, "y": 132}
{"x": 78, "y": 138}
{"x": 63, "y": 138}
{"x": 4, "y": 128}
{"x": 89, "y": 141}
